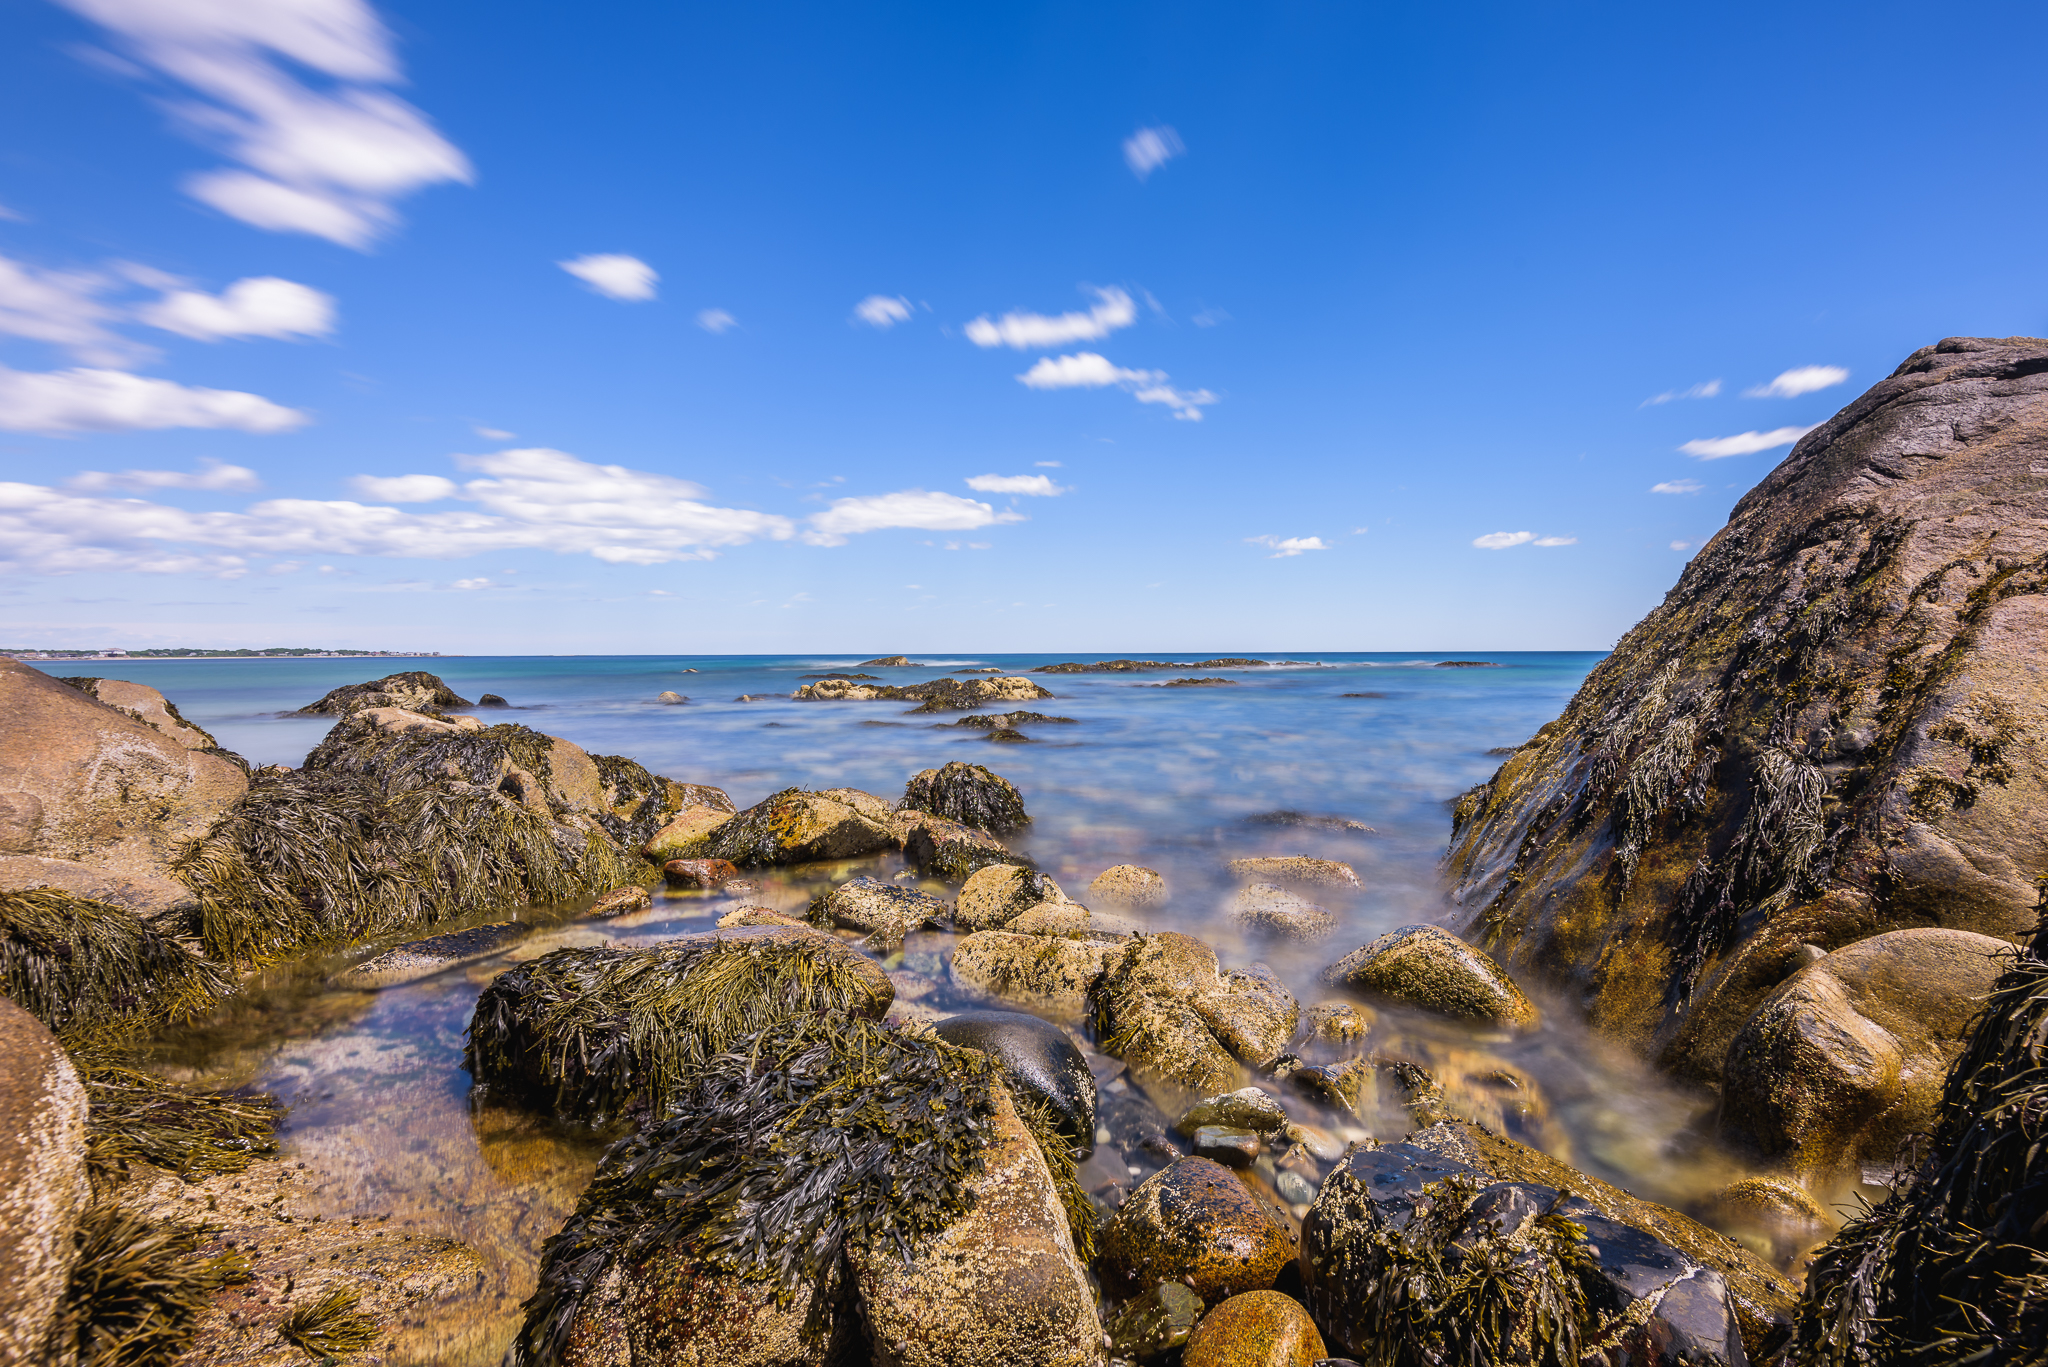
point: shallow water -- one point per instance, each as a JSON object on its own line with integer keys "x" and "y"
{"x": 1163, "y": 777}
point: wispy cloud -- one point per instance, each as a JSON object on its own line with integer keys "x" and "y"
{"x": 1500, "y": 541}
{"x": 87, "y": 400}
{"x": 1283, "y": 547}
{"x": 1148, "y": 149}
{"x": 403, "y": 488}
{"x": 63, "y": 308}
{"x": 263, "y": 306}
{"x": 329, "y": 161}
{"x": 717, "y": 322}
{"x": 1706, "y": 390}
{"x": 1088, "y": 370}
{"x": 1804, "y": 379}
{"x": 614, "y": 275}
{"x": 916, "y": 508}
{"x": 1744, "y": 443}
{"x": 493, "y": 433}
{"x": 211, "y": 474}
{"x": 1187, "y": 404}
{"x": 882, "y": 310}
{"x": 1021, "y": 331}
{"x": 1555, "y": 541}
{"x": 1040, "y": 486}
{"x": 1677, "y": 486}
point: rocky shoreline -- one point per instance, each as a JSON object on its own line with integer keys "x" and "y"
{"x": 1786, "y": 841}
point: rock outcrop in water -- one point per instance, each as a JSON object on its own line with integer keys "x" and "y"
{"x": 937, "y": 695}
{"x": 1831, "y": 728}
{"x": 414, "y": 690}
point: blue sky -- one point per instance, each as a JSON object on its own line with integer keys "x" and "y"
{"x": 1041, "y": 327}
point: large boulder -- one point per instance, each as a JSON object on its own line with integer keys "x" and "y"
{"x": 151, "y": 708}
{"x": 1827, "y": 731}
{"x": 43, "y": 1187}
{"x": 1037, "y": 1060}
{"x": 949, "y": 849}
{"x": 414, "y": 690}
{"x": 970, "y": 794}
{"x": 797, "y": 827}
{"x": 97, "y": 803}
{"x": 1183, "y": 1024}
{"x": 1429, "y": 968}
{"x": 1194, "y": 1222}
{"x": 997, "y": 894}
{"x": 1847, "y": 1059}
{"x": 1392, "y": 1231}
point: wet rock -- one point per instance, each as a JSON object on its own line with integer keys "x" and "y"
{"x": 875, "y": 808}
{"x": 1056, "y": 975}
{"x": 43, "y": 1188}
{"x": 1263, "y": 909}
{"x": 1298, "y": 870}
{"x": 1321, "y": 823}
{"x": 1663, "y": 1286}
{"x": 493, "y": 700}
{"x": 868, "y": 904}
{"x": 1247, "y": 1109}
{"x": 1007, "y": 721}
{"x": 667, "y": 695}
{"x": 1154, "y": 1323}
{"x": 1256, "y": 1329}
{"x": 1072, "y": 920}
{"x": 1001, "y": 1287}
{"x": 994, "y": 896}
{"x": 1038, "y": 1060}
{"x": 1253, "y": 1015}
{"x": 1005, "y": 736}
{"x": 619, "y": 901}
{"x": 1128, "y": 885}
{"x": 1770, "y": 1196}
{"x": 1428, "y": 967}
{"x": 1233, "y": 1148}
{"x": 97, "y": 803}
{"x": 1194, "y": 1223}
{"x": 761, "y": 916}
{"x": 970, "y": 794}
{"x": 673, "y": 1311}
{"x": 796, "y": 827}
{"x": 408, "y": 963}
{"x": 686, "y": 836}
{"x": 699, "y": 873}
{"x": 1181, "y": 1023}
{"x": 946, "y": 849}
{"x": 886, "y": 662}
{"x": 1849, "y": 1056}
{"x": 1295, "y": 1189}
{"x": 1348, "y": 1085}
{"x": 414, "y": 690}
{"x": 1338, "y": 1023}
{"x": 1828, "y": 731}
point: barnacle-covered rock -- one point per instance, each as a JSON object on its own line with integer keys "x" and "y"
{"x": 994, "y": 896}
{"x": 796, "y": 827}
{"x": 1429, "y": 968}
{"x": 1049, "y": 973}
{"x": 968, "y": 793}
{"x": 947, "y": 849}
{"x": 886, "y": 909}
{"x": 43, "y": 1187}
{"x": 1166, "y": 1008}
{"x": 1128, "y": 885}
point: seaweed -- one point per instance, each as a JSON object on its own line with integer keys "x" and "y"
{"x": 970, "y": 794}
{"x": 83, "y": 967}
{"x": 330, "y": 1326}
{"x": 592, "y": 1032}
{"x": 137, "y": 1117}
{"x": 817, "y": 1135}
{"x": 1952, "y": 1266}
{"x": 138, "y": 1288}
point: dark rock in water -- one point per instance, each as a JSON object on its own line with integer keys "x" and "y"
{"x": 1655, "y": 1285}
{"x": 97, "y": 801}
{"x": 1232, "y": 1147}
{"x": 757, "y": 697}
{"x": 1000, "y": 720}
{"x": 1466, "y": 664}
{"x": 1256, "y": 1329}
{"x": 620, "y": 901}
{"x": 887, "y": 662}
{"x": 1321, "y": 823}
{"x": 1155, "y": 1323}
{"x": 1003, "y": 735}
{"x": 1248, "y": 1108}
{"x": 982, "y": 669}
{"x": 1141, "y": 666}
{"x": 491, "y": 700}
{"x": 970, "y": 794}
{"x": 1502, "y": 750}
{"x": 839, "y": 676}
{"x": 948, "y": 849}
{"x": 1365, "y": 695}
{"x": 935, "y": 695}
{"x": 414, "y": 689}
{"x": 699, "y": 873}
{"x": 43, "y": 1187}
{"x": 1197, "y": 1224}
{"x": 1193, "y": 683}
{"x": 424, "y": 958}
{"x": 1038, "y": 1060}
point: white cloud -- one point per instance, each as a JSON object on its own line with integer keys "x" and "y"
{"x": 61, "y": 308}
{"x": 1287, "y": 546}
{"x": 1556, "y": 541}
{"x": 1021, "y": 331}
{"x": 882, "y": 311}
{"x": 717, "y": 321}
{"x": 932, "y": 512}
{"x": 1706, "y": 390}
{"x": 1083, "y": 370}
{"x": 494, "y": 433}
{"x": 1186, "y": 403}
{"x": 403, "y": 488}
{"x": 1040, "y": 486}
{"x": 1046, "y": 464}
{"x": 1677, "y": 486}
{"x": 1745, "y": 443}
{"x": 472, "y": 583}
{"x": 1802, "y": 380}
{"x": 330, "y": 161}
{"x": 625, "y": 278}
{"x": 263, "y": 306}
{"x": 1148, "y": 149}
{"x": 211, "y": 474}
{"x": 1500, "y": 541}
{"x": 109, "y": 401}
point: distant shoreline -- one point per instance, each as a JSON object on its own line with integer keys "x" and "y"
{"x": 67, "y": 657}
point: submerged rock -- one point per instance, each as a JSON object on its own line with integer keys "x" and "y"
{"x": 1325, "y": 823}
{"x": 1849, "y": 1056}
{"x": 949, "y": 850}
{"x": 1194, "y": 1223}
{"x": 886, "y": 909}
{"x": 1430, "y": 968}
{"x": 43, "y": 1187}
{"x": 1043, "y": 971}
{"x": 994, "y": 896}
{"x": 1004, "y": 721}
{"x": 415, "y": 690}
{"x": 699, "y": 873}
{"x": 667, "y": 695}
{"x": 1266, "y": 910}
{"x": 1183, "y": 1025}
{"x": 1155, "y": 1322}
{"x": 1038, "y": 1060}
{"x": 1820, "y": 736}
{"x": 1339, "y": 1023}
{"x": 408, "y": 963}
{"x": 1256, "y": 1329}
{"x": 970, "y": 794}
{"x": 1248, "y": 1108}
{"x": 622, "y": 900}
{"x": 1299, "y": 870}
{"x": 1128, "y": 885}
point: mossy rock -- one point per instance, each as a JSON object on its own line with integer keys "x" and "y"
{"x": 1194, "y": 1222}
{"x": 1256, "y": 1329}
{"x": 797, "y": 827}
{"x": 946, "y": 849}
{"x": 90, "y": 969}
{"x": 1129, "y": 885}
{"x": 1039, "y": 971}
{"x": 970, "y": 794}
{"x": 996, "y": 895}
{"x": 413, "y": 689}
{"x": 1429, "y": 968}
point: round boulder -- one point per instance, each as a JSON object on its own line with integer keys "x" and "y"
{"x": 993, "y": 897}
{"x": 970, "y": 794}
{"x": 1848, "y": 1056}
{"x": 1194, "y": 1222}
{"x": 1128, "y": 885}
{"x": 1257, "y": 1329}
{"x": 1429, "y": 968}
{"x": 1038, "y": 1060}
